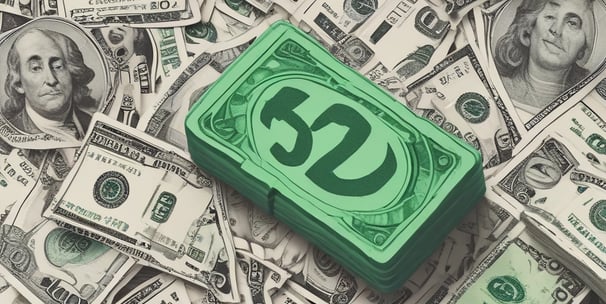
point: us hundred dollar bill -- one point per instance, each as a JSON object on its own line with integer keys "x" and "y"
{"x": 136, "y": 13}
{"x": 54, "y": 264}
{"x": 497, "y": 277}
{"x": 407, "y": 18}
{"x": 563, "y": 161}
{"x": 76, "y": 84}
{"x": 479, "y": 231}
{"x": 258, "y": 282}
{"x": 562, "y": 167}
{"x": 575, "y": 236}
{"x": 457, "y": 96}
{"x": 165, "y": 120}
{"x": 535, "y": 87}
{"x": 148, "y": 199}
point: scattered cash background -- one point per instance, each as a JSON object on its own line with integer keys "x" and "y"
{"x": 534, "y": 109}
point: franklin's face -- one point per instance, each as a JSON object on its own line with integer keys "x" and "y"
{"x": 560, "y": 33}
{"x": 45, "y": 79}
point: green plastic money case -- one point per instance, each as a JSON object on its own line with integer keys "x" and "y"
{"x": 335, "y": 157}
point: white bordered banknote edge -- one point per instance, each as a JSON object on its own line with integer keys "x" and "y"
{"x": 118, "y": 164}
{"x": 140, "y": 13}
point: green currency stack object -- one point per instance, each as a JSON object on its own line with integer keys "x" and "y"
{"x": 335, "y": 157}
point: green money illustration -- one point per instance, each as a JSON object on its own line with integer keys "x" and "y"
{"x": 336, "y": 148}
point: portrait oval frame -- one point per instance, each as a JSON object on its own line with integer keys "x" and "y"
{"x": 100, "y": 86}
{"x": 505, "y": 14}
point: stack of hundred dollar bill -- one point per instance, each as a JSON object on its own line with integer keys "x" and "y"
{"x": 331, "y": 154}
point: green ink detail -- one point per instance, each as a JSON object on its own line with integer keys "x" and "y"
{"x": 507, "y": 289}
{"x": 323, "y": 171}
{"x": 597, "y": 215}
{"x": 339, "y": 159}
{"x": 111, "y": 189}
{"x": 240, "y": 6}
{"x": 202, "y": 30}
{"x": 196, "y": 254}
{"x": 164, "y": 207}
{"x": 281, "y": 107}
{"x": 597, "y": 143}
{"x": 473, "y": 107}
{"x": 63, "y": 247}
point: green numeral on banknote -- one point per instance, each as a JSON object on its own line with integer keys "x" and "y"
{"x": 322, "y": 172}
{"x": 163, "y": 208}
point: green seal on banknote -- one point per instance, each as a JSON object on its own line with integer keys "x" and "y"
{"x": 202, "y": 30}
{"x": 63, "y": 246}
{"x": 507, "y": 289}
{"x": 597, "y": 215}
{"x": 473, "y": 107}
{"x": 597, "y": 142}
{"x": 111, "y": 189}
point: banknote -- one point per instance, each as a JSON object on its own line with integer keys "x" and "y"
{"x": 325, "y": 281}
{"x": 536, "y": 87}
{"x": 476, "y": 233}
{"x": 457, "y": 96}
{"x": 9, "y": 21}
{"x": 131, "y": 54}
{"x": 410, "y": 19}
{"x": 593, "y": 298}
{"x": 565, "y": 246}
{"x": 134, "y": 276}
{"x": 32, "y": 9}
{"x": 257, "y": 280}
{"x": 262, "y": 5}
{"x": 161, "y": 288}
{"x": 263, "y": 235}
{"x": 496, "y": 279}
{"x": 333, "y": 20}
{"x": 239, "y": 10}
{"x": 136, "y": 13}
{"x": 458, "y": 10}
{"x": 559, "y": 169}
{"x": 220, "y": 27}
{"x": 315, "y": 276}
{"x": 53, "y": 111}
{"x": 165, "y": 120}
{"x": 54, "y": 264}
{"x": 562, "y": 162}
{"x": 286, "y": 295}
{"x": 10, "y": 295}
{"x": 18, "y": 177}
{"x": 172, "y": 52}
{"x": 140, "y": 61}
{"x": 223, "y": 32}
{"x": 147, "y": 198}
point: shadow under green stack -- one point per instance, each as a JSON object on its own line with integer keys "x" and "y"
{"x": 333, "y": 156}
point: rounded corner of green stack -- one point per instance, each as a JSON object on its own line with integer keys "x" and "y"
{"x": 333, "y": 156}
